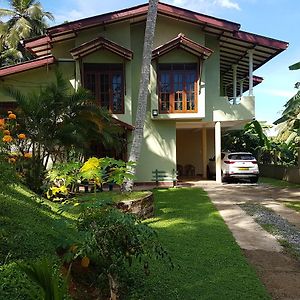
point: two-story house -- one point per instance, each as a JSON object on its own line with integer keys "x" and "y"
{"x": 201, "y": 79}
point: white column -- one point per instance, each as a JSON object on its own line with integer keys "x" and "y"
{"x": 250, "y": 53}
{"x": 204, "y": 152}
{"x": 234, "y": 68}
{"x": 241, "y": 87}
{"x": 78, "y": 82}
{"x": 218, "y": 151}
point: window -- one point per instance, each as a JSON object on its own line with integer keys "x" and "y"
{"x": 177, "y": 88}
{"x": 105, "y": 81}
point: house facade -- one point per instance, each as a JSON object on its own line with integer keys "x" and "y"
{"x": 201, "y": 80}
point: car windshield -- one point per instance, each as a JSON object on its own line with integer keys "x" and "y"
{"x": 241, "y": 156}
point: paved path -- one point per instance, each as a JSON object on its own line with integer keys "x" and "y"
{"x": 278, "y": 271}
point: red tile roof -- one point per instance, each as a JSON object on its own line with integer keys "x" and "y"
{"x": 27, "y": 65}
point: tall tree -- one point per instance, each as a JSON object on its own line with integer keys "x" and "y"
{"x": 27, "y": 19}
{"x": 138, "y": 133}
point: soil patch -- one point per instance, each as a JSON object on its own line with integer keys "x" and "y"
{"x": 279, "y": 272}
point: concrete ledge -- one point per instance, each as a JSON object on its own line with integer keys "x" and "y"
{"x": 143, "y": 208}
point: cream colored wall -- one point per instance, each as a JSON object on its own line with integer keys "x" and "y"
{"x": 32, "y": 80}
{"x": 158, "y": 149}
{"x": 212, "y": 77}
{"x": 189, "y": 148}
{"x": 62, "y": 49}
{"x": 118, "y": 33}
{"x": 167, "y": 29}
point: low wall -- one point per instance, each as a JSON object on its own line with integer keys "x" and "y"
{"x": 143, "y": 208}
{"x": 290, "y": 174}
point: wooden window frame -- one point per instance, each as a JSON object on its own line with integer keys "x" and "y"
{"x": 171, "y": 68}
{"x": 110, "y": 70}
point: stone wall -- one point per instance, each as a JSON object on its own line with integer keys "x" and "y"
{"x": 290, "y": 174}
{"x": 143, "y": 208}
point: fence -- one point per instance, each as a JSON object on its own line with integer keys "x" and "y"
{"x": 290, "y": 174}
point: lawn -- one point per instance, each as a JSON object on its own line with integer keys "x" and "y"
{"x": 283, "y": 184}
{"x": 28, "y": 230}
{"x": 278, "y": 183}
{"x": 209, "y": 263}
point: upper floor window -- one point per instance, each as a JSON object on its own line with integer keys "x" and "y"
{"x": 106, "y": 83}
{"x": 177, "y": 88}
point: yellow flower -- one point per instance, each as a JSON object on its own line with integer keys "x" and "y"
{"x": 85, "y": 261}
{"x": 7, "y": 139}
{"x": 27, "y": 155}
{"x": 90, "y": 164}
{"x": 6, "y": 132}
{"x": 21, "y": 136}
{"x": 12, "y": 116}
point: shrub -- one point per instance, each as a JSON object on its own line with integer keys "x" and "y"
{"x": 112, "y": 240}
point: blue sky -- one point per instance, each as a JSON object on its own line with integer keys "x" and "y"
{"x": 278, "y": 19}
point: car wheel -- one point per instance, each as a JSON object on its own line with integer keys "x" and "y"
{"x": 253, "y": 179}
{"x": 223, "y": 178}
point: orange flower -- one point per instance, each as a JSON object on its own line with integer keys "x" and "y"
{"x": 85, "y": 261}
{"x": 21, "y": 136}
{"x": 27, "y": 155}
{"x": 12, "y": 160}
{"x": 73, "y": 248}
{"x": 2, "y": 122}
{"x": 6, "y": 132}
{"x": 7, "y": 139}
{"x": 12, "y": 116}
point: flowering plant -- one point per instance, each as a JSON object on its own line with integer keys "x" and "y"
{"x": 14, "y": 146}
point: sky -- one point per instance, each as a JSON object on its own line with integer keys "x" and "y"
{"x": 277, "y": 19}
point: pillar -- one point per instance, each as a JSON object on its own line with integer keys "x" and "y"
{"x": 204, "y": 152}
{"x": 250, "y": 53}
{"x": 241, "y": 87}
{"x": 218, "y": 151}
{"x": 234, "y": 69}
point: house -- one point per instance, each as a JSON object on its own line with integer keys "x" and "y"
{"x": 201, "y": 79}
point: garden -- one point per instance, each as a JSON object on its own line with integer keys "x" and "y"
{"x": 66, "y": 230}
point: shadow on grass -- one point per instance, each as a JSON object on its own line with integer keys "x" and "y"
{"x": 210, "y": 265}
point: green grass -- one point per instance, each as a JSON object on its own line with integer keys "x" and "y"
{"x": 210, "y": 265}
{"x": 293, "y": 205}
{"x": 278, "y": 183}
{"x": 28, "y": 230}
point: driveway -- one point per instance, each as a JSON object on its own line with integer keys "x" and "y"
{"x": 279, "y": 271}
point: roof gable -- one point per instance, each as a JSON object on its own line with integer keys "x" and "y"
{"x": 184, "y": 43}
{"x": 101, "y": 43}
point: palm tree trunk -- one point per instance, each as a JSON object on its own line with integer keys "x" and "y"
{"x": 138, "y": 133}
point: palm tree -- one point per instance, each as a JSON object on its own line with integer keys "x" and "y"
{"x": 27, "y": 19}
{"x": 138, "y": 133}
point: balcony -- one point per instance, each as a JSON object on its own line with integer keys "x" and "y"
{"x": 225, "y": 110}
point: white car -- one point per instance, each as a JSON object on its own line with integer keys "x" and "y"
{"x": 235, "y": 165}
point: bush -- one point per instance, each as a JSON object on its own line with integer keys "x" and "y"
{"x": 112, "y": 240}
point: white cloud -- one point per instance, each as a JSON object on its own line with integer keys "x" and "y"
{"x": 228, "y": 4}
{"x": 68, "y": 10}
{"x": 205, "y": 6}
